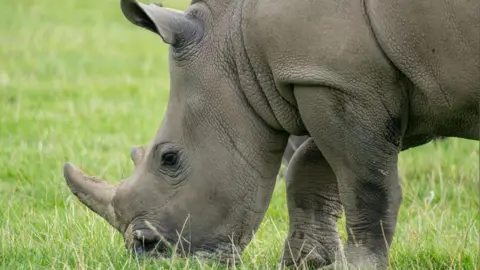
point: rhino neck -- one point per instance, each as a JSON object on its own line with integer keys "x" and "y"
{"x": 255, "y": 78}
{"x": 262, "y": 144}
{"x": 218, "y": 8}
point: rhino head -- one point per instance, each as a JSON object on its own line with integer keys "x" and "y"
{"x": 203, "y": 184}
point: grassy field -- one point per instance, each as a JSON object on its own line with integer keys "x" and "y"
{"x": 80, "y": 83}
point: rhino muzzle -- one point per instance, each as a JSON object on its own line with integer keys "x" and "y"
{"x": 145, "y": 240}
{"x": 98, "y": 195}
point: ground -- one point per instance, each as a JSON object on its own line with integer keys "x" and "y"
{"x": 79, "y": 83}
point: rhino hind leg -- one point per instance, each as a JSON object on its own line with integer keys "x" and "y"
{"x": 314, "y": 208}
{"x": 293, "y": 144}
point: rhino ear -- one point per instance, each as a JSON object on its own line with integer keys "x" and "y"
{"x": 170, "y": 24}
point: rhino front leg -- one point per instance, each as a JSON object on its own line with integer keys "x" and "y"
{"x": 360, "y": 139}
{"x": 314, "y": 209}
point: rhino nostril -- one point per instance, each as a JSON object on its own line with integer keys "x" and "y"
{"x": 139, "y": 250}
{"x": 143, "y": 245}
{"x": 147, "y": 245}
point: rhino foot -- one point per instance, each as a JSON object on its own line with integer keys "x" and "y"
{"x": 339, "y": 265}
{"x": 356, "y": 258}
{"x": 304, "y": 252}
{"x": 361, "y": 258}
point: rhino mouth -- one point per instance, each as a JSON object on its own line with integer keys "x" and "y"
{"x": 146, "y": 245}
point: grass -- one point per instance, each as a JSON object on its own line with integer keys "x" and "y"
{"x": 80, "y": 83}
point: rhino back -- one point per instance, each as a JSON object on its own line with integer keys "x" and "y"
{"x": 436, "y": 45}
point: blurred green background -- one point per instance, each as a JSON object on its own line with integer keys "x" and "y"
{"x": 79, "y": 83}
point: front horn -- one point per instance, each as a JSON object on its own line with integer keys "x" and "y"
{"x": 96, "y": 194}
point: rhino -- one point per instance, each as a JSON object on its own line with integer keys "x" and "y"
{"x": 363, "y": 80}
{"x": 293, "y": 144}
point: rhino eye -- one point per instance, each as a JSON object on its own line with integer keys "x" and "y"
{"x": 169, "y": 159}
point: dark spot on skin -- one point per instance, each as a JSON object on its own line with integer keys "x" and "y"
{"x": 394, "y": 129}
{"x": 298, "y": 235}
{"x": 213, "y": 194}
{"x": 372, "y": 200}
{"x": 433, "y": 50}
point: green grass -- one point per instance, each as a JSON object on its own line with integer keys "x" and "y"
{"x": 80, "y": 83}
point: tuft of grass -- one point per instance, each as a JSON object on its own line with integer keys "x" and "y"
{"x": 80, "y": 83}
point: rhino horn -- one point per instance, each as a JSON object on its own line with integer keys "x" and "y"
{"x": 170, "y": 24}
{"x": 96, "y": 194}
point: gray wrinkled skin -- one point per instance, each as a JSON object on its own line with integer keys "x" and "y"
{"x": 293, "y": 144}
{"x": 364, "y": 79}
